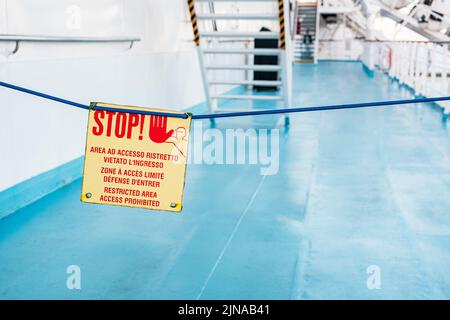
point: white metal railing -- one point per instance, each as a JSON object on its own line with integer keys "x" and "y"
{"x": 17, "y": 39}
{"x": 423, "y": 66}
{"x": 225, "y": 32}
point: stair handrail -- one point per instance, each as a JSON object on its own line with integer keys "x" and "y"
{"x": 18, "y": 38}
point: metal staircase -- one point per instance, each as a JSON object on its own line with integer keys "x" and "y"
{"x": 225, "y": 40}
{"x": 306, "y": 30}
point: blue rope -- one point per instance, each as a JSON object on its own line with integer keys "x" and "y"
{"x": 320, "y": 108}
{"x": 86, "y": 107}
{"x": 43, "y": 95}
{"x": 229, "y": 114}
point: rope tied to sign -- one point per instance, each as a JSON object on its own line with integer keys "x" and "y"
{"x": 228, "y": 114}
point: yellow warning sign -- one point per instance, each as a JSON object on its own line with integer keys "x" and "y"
{"x": 135, "y": 160}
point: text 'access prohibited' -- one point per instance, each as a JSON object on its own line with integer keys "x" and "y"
{"x": 135, "y": 160}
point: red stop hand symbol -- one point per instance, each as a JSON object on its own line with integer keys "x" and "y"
{"x": 158, "y": 127}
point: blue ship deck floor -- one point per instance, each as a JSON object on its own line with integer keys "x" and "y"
{"x": 355, "y": 188}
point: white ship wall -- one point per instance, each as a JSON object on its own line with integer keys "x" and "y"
{"x": 159, "y": 71}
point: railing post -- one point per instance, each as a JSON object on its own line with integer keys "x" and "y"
{"x": 200, "y": 57}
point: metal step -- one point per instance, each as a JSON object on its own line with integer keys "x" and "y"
{"x": 248, "y": 97}
{"x": 256, "y": 35}
{"x": 305, "y": 6}
{"x": 304, "y": 60}
{"x": 243, "y": 67}
{"x": 261, "y": 52}
{"x": 222, "y": 110}
{"x": 223, "y": 16}
{"x": 247, "y": 83}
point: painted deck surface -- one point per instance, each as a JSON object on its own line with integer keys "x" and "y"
{"x": 355, "y": 188}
